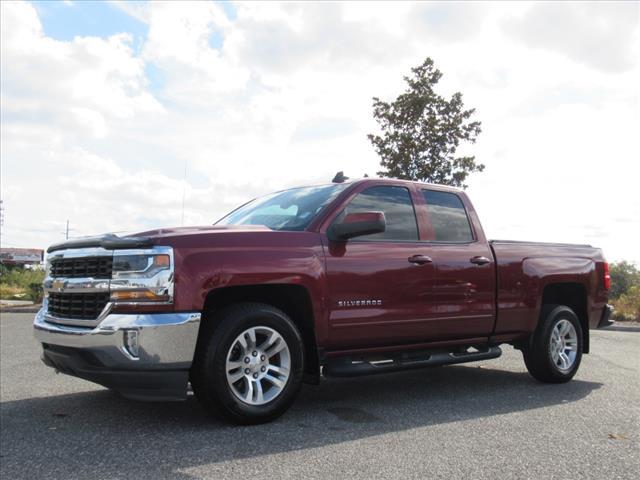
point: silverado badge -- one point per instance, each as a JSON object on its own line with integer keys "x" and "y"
{"x": 359, "y": 303}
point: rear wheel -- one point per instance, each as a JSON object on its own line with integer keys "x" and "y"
{"x": 555, "y": 351}
{"x": 249, "y": 368}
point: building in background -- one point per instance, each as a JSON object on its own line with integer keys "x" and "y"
{"x": 32, "y": 257}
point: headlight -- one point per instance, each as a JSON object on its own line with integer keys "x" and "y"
{"x": 142, "y": 276}
{"x": 139, "y": 265}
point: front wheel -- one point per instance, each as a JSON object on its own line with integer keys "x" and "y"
{"x": 249, "y": 368}
{"x": 555, "y": 351}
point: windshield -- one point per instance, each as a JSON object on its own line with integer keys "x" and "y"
{"x": 291, "y": 210}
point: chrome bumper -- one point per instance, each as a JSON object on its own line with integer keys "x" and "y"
{"x": 166, "y": 345}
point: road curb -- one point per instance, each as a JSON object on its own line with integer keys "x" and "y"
{"x": 623, "y": 327}
{"x": 29, "y": 309}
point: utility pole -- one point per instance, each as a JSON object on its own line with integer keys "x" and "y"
{"x": 1, "y": 218}
{"x": 66, "y": 231}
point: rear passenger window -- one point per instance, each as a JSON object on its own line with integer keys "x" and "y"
{"x": 396, "y": 204}
{"x": 448, "y": 217}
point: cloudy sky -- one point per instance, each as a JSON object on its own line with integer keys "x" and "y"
{"x": 104, "y": 105}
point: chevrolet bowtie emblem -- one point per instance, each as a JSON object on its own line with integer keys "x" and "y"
{"x": 58, "y": 285}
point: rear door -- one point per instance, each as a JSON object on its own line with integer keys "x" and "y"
{"x": 379, "y": 294}
{"x": 465, "y": 271}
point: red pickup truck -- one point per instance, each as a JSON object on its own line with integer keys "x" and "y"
{"x": 364, "y": 277}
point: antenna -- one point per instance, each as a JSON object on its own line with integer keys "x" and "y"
{"x": 184, "y": 191}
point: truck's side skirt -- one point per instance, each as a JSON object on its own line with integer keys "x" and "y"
{"x": 352, "y": 367}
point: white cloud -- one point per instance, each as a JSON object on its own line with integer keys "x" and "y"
{"x": 79, "y": 85}
{"x": 600, "y": 34}
{"x": 281, "y": 95}
{"x": 320, "y": 36}
{"x": 449, "y": 22}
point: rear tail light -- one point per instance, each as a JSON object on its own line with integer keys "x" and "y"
{"x": 607, "y": 277}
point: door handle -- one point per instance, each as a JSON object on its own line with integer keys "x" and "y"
{"x": 420, "y": 259}
{"x": 480, "y": 260}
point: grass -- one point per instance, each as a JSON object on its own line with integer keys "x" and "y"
{"x": 9, "y": 292}
{"x": 21, "y": 284}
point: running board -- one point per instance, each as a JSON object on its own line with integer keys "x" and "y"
{"x": 349, "y": 367}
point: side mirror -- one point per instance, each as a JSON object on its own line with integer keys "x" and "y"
{"x": 356, "y": 225}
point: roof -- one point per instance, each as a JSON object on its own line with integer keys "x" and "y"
{"x": 406, "y": 182}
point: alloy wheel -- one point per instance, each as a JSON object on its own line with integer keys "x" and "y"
{"x": 258, "y": 365}
{"x": 564, "y": 345}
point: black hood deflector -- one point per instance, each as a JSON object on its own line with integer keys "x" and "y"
{"x": 108, "y": 241}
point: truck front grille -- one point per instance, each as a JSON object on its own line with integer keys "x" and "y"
{"x": 82, "y": 267}
{"x": 77, "y": 306}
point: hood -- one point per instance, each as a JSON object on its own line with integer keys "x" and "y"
{"x": 148, "y": 238}
{"x": 173, "y": 231}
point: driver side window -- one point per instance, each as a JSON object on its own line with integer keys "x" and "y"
{"x": 395, "y": 203}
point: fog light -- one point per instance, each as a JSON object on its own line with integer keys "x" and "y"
{"x": 131, "y": 342}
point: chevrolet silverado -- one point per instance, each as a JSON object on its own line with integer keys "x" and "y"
{"x": 345, "y": 279}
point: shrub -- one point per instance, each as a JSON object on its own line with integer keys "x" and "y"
{"x": 627, "y": 306}
{"x": 21, "y": 283}
{"x": 35, "y": 293}
{"x": 21, "y": 277}
{"x": 9, "y": 292}
{"x": 624, "y": 275}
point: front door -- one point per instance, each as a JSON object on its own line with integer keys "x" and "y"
{"x": 381, "y": 286}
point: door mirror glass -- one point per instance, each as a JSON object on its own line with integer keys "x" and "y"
{"x": 356, "y": 225}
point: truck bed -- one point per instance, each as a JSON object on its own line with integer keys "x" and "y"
{"x": 525, "y": 269}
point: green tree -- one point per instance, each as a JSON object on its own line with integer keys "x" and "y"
{"x": 421, "y": 132}
{"x": 624, "y": 275}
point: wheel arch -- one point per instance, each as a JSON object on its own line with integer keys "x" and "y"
{"x": 294, "y": 300}
{"x": 574, "y": 296}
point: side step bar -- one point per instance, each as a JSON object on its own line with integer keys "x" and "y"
{"x": 349, "y": 367}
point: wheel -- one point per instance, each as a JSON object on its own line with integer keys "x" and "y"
{"x": 556, "y": 349}
{"x": 249, "y": 368}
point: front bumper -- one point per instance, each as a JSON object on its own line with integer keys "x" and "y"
{"x": 166, "y": 345}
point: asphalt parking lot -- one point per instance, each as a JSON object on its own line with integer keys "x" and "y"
{"x": 486, "y": 420}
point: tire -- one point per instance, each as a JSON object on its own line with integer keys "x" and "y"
{"x": 555, "y": 351}
{"x": 237, "y": 376}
